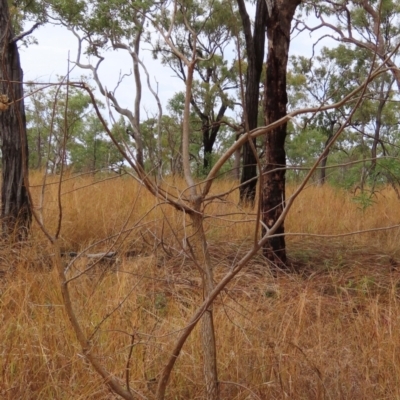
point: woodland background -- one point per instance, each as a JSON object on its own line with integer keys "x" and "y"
{"x": 239, "y": 241}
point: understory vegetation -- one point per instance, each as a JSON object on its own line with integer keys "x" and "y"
{"x": 329, "y": 330}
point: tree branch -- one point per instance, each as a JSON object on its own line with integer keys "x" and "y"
{"x": 19, "y": 37}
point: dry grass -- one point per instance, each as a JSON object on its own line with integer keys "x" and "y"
{"x": 327, "y": 332}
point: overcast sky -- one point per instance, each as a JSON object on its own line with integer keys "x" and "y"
{"x": 45, "y": 61}
{"x": 49, "y": 59}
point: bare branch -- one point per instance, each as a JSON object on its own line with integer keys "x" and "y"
{"x": 19, "y": 37}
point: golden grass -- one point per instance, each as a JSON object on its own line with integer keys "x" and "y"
{"x": 329, "y": 331}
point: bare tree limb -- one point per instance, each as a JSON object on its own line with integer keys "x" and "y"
{"x": 19, "y": 37}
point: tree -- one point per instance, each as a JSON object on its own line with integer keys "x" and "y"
{"x": 327, "y": 78}
{"x": 15, "y": 203}
{"x": 279, "y": 18}
{"x": 215, "y": 78}
{"x": 172, "y": 127}
{"x": 122, "y": 28}
{"x": 56, "y": 117}
{"x": 255, "y": 43}
{"x": 316, "y": 81}
{"x": 90, "y": 150}
{"x": 369, "y": 25}
{"x": 63, "y": 129}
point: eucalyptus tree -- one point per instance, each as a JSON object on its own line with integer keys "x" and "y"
{"x": 63, "y": 129}
{"x": 328, "y": 77}
{"x": 370, "y": 25}
{"x": 373, "y": 27}
{"x": 171, "y": 126}
{"x": 279, "y": 18}
{"x": 90, "y": 149}
{"x": 101, "y": 26}
{"x": 56, "y": 118}
{"x": 15, "y": 203}
{"x": 254, "y": 35}
{"x": 98, "y": 26}
{"x": 195, "y": 195}
{"x": 171, "y": 138}
{"x": 312, "y": 82}
{"x": 215, "y": 79}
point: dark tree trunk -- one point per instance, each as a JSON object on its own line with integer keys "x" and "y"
{"x": 255, "y": 43}
{"x": 279, "y": 18}
{"x": 207, "y": 145}
{"x": 15, "y": 208}
{"x": 210, "y": 135}
{"x": 322, "y": 177}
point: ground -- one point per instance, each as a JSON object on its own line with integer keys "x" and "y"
{"x": 329, "y": 329}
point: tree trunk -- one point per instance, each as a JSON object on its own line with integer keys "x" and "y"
{"x": 236, "y": 165}
{"x": 383, "y": 98}
{"x": 279, "y": 18}
{"x": 322, "y": 177}
{"x": 39, "y": 151}
{"x": 210, "y": 132}
{"x": 255, "y": 44}
{"x": 138, "y": 85}
{"x": 200, "y": 250}
{"x": 15, "y": 206}
{"x": 207, "y": 145}
{"x": 202, "y": 254}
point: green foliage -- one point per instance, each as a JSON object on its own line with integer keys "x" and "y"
{"x": 91, "y": 151}
{"x": 364, "y": 200}
{"x": 24, "y": 14}
{"x": 302, "y": 149}
{"x": 327, "y": 79}
{"x": 172, "y": 128}
{"x": 104, "y": 21}
{"x": 215, "y": 77}
{"x": 56, "y": 117}
{"x": 52, "y": 117}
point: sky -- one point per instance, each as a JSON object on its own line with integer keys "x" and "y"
{"x": 49, "y": 58}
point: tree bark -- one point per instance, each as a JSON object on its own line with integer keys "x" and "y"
{"x": 202, "y": 254}
{"x": 200, "y": 250}
{"x": 15, "y": 205}
{"x": 322, "y": 177}
{"x": 255, "y": 43}
{"x": 383, "y": 98}
{"x": 138, "y": 97}
{"x": 279, "y": 18}
{"x": 210, "y": 135}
